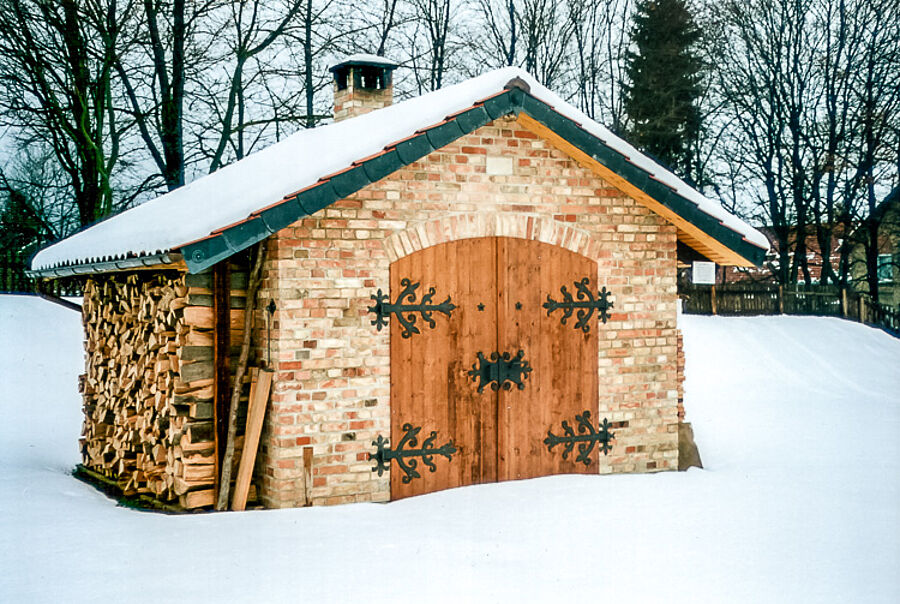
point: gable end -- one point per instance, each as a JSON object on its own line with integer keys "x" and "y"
{"x": 702, "y": 231}
{"x": 709, "y": 235}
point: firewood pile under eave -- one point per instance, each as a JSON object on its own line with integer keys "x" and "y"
{"x": 148, "y": 388}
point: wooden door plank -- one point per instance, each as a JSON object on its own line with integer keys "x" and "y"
{"x": 434, "y": 390}
{"x": 564, "y": 360}
{"x": 504, "y": 413}
{"x": 475, "y": 412}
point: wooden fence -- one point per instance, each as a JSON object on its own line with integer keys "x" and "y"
{"x": 873, "y": 313}
{"x": 738, "y": 299}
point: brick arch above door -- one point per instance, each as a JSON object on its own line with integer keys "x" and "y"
{"x": 469, "y": 226}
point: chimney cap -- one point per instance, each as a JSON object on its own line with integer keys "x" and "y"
{"x": 364, "y": 60}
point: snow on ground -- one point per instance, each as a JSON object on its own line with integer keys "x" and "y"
{"x": 797, "y": 420}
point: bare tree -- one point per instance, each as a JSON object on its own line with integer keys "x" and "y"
{"x": 371, "y": 26}
{"x": 763, "y": 77}
{"x": 57, "y": 61}
{"x": 546, "y": 36}
{"x": 153, "y": 71}
{"x": 36, "y": 201}
{"x": 877, "y": 101}
{"x": 293, "y": 72}
{"x": 249, "y": 28}
{"x": 831, "y": 214}
{"x": 497, "y": 43}
{"x": 428, "y": 41}
{"x": 599, "y": 29}
{"x": 386, "y": 24}
{"x": 810, "y": 91}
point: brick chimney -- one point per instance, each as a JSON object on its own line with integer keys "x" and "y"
{"x": 362, "y": 83}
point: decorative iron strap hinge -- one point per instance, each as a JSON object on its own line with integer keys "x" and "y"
{"x": 502, "y": 371}
{"x": 406, "y": 306}
{"x": 586, "y": 304}
{"x": 385, "y": 454}
{"x": 586, "y": 440}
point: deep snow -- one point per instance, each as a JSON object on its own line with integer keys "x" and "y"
{"x": 797, "y": 420}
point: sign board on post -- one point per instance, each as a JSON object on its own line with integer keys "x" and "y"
{"x": 703, "y": 273}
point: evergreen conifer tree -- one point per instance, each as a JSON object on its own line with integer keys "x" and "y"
{"x": 664, "y": 84}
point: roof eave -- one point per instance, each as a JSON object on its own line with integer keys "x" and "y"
{"x": 200, "y": 255}
{"x": 728, "y": 245}
{"x": 161, "y": 261}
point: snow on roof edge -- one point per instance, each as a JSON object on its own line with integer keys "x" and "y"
{"x": 234, "y": 192}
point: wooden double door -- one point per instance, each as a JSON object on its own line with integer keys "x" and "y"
{"x": 498, "y": 287}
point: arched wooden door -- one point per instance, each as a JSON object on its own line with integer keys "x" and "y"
{"x": 498, "y": 287}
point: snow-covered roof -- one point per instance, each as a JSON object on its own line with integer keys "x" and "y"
{"x": 231, "y": 194}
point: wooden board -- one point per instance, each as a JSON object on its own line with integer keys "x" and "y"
{"x": 498, "y": 286}
{"x": 256, "y": 412}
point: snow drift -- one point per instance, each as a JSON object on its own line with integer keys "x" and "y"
{"x": 797, "y": 420}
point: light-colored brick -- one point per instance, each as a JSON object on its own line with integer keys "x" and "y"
{"x": 325, "y": 267}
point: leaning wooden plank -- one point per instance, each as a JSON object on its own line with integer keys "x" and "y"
{"x": 255, "y": 415}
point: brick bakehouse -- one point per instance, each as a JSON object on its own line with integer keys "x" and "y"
{"x": 474, "y": 285}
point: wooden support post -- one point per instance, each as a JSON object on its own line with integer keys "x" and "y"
{"x": 780, "y": 299}
{"x": 307, "y": 474}
{"x": 228, "y": 457}
{"x": 862, "y": 308}
{"x": 844, "y": 311}
{"x": 221, "y": 285}
{"x": 256, "y": 412}
{"x": 712, "y": 298}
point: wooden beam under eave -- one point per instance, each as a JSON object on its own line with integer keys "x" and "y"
{"x": 700, "y": 246}
{"x": 688, "y": 232}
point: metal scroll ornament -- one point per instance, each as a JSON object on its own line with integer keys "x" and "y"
{"x": 587, "y": 438}
{"x": 406, "y": 307}
{"x": 385, "y": 454}
{"x": 502, "y": 371}
{"x": 586, "y": 304}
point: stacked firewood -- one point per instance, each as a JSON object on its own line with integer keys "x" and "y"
{"x": 149, "y": 386}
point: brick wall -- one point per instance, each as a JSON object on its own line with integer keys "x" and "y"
{"x": 352, "y": 101}
{"x": 331, "y": 395}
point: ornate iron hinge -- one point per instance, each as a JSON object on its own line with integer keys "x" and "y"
{"x": 587, "y": 438}
{"x": 502, "y": 371}
{"x": 385, "y": 454}
{"x": 586, "y": 304}
{"x": 406, "y": 306}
